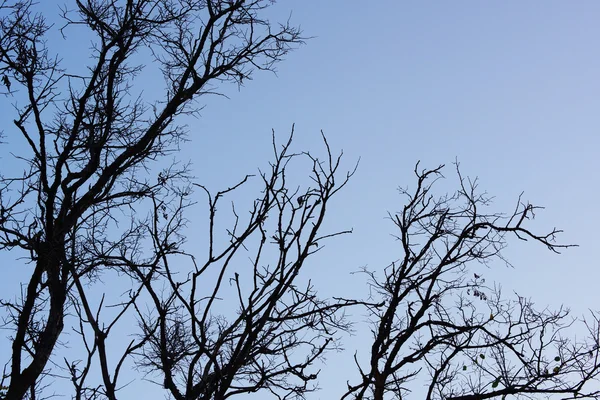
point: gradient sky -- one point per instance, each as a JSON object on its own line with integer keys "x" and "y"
{"x": 509, "y": 88}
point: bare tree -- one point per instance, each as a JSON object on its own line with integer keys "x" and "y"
{"x": 279, "y": 327}
{"x": 441, "y": 325}
{"x": 91, "y": 143}
{"x": 93, "y": 205}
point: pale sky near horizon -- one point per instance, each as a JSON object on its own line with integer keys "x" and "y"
{"x": 510, "y": 89}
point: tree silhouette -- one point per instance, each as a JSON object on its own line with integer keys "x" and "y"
{"x": 95, "y": 202}
{"x": 441, "y": 324}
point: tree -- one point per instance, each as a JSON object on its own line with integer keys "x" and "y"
{"x": 440, "y": 323}
{"x": 95, "y": 203}
{"x": 90, "y": 141}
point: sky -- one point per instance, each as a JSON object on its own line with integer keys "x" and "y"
{"x": 509, "y": 89}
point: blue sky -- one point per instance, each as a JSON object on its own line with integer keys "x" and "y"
{"x": 510, "y": 89}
